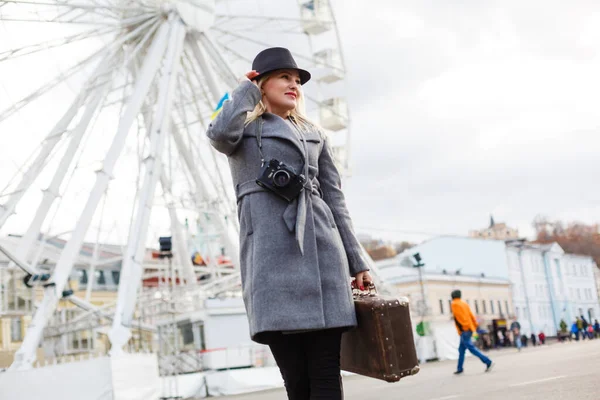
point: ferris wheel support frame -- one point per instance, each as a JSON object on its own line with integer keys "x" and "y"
{"x": 209, "y": 44}
{"x": 200, "y": 55}
{"x": 53, "y": 191}
{"x": 182, "y": 261}
{"x": 8, "y": 208}
{"x": 55, "y": 135}
{"x": 26, "y": 354}
{"x": 132, "y": 268}
{"x": 211, "y": 80}
{"x": 179, "y": 242}
{"x": 230, "y": 238}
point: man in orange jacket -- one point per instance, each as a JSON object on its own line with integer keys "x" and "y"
{"x": 466, "y": 324}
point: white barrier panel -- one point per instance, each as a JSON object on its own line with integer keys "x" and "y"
{"x": 84, "y": 380}
{"x": 239, "y": 381}
{"x": 128, "y": 377}
{"x": 135, "y": 377}
{"x": 446, "y": 341}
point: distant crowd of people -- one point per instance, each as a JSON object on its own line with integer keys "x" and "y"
{"x": 581, "y": 328}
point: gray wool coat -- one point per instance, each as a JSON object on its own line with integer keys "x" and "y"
{"x": 296, "y": 258}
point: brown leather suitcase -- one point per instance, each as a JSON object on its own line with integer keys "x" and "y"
{"x": 382, "y": 346}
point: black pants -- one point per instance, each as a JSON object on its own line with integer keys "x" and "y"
{"x": 309, "y": 363}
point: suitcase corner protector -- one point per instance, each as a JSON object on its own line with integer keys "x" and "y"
{"x": 403, "y": 301}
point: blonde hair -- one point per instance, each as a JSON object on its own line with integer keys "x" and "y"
{"x": 298, "y": 113}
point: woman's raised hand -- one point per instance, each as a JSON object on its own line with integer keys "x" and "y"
{"x": 249, "y": 76}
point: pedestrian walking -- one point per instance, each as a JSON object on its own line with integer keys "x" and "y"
{"x": 515, "y": 328}
{"x": 597, "y": 328}
{"x": 466, "y": 324}
{"x": 533, "y": 340}
{"x": 298, "y": 248}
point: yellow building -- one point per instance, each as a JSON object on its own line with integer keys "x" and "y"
{"x": 489, "y": 298}
{"x": 17, "y": 300}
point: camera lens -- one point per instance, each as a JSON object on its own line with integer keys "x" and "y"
{"x": 281, "y": 178}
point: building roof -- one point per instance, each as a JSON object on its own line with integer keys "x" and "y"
{"x": 465, "y": 255}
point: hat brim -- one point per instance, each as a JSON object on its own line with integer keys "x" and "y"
{"x": 304, "y": 75}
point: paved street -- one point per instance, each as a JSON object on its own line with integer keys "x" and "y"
{"x": 559, "y": 371}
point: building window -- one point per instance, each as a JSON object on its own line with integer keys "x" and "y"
{"x": 484, "y": 306}
{"x": 499, "y": 307}
{"x": 100, "y": 278}
{"x": 468, "y": 302}
{"x": 441, "y": 306}
{"x": 476, "y": 306}
{"x": 15, "y": 330}
{"x": 517, "y": 312}
{"x": 116, "y": 276}
{"x": 83, "y": 277}
{"x": 450, "y": 306}
{"x": 492, "y": 306}
{"x": 187, "y": 333}
{"x": 578, "y": 294}
{"x": 506, "y": 307}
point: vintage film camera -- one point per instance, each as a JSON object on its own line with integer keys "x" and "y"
{"x": 281, "y": 179}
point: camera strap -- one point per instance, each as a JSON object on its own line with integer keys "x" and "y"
{"x": 299, "y": 136}
{"x": 259, "y": 141}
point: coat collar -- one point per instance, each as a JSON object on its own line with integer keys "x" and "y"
{"x": 276, "y": 127}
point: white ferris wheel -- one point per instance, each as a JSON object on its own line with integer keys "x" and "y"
{"x": 103, "y": 108}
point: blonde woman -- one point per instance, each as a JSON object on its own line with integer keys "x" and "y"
{"x": 298, "y": 249}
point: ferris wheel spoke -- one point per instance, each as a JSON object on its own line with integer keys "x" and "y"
{"x": 60, "y": 19}
{"x": 48, "y": 86}
{"x": 265, "y": 44}
{"x": 267, "y": 25}
{"x": 188, "y": 71}
{"x": 222, "y": 64}
{"x": 74, "y": 4}
{"x": 76, "y": 68}
{"x": 221, "y": 18}
{"x": 34, "y": 48}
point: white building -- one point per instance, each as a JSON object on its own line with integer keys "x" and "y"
{"x": 597, "y": 275}
{"x": 550, "y": 285}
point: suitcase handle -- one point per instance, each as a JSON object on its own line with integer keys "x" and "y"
{"x": 370, "y": 291}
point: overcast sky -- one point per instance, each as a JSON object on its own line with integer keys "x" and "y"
{"x": 460, "y": 109}
{"x": 465, "y": 108}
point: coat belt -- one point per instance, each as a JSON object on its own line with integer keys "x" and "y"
{"x": 294, "y": 215}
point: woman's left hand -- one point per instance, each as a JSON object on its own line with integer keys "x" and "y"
{"x": 363, "y": 280}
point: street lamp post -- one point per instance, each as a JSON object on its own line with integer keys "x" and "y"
{"x": 419, "y": 265}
